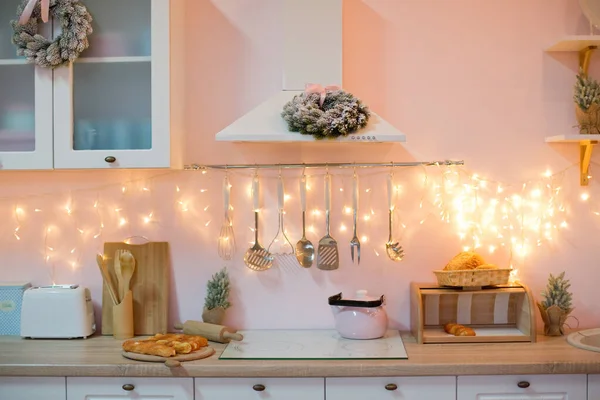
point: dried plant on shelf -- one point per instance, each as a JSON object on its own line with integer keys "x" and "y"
{"x": 557, "y": 304}
{"x": 217, "y": 297}
{"x": 586, "y": 96}
{"x": 586, "y": 92}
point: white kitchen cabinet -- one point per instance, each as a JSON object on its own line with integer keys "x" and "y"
{"x": 380, "y": 388}
{"x": 593, "y": 387}
{"x": 25, "y": 103}
{"x": 522, "y": 387}
{"x": 28, "y": 388}
{"x": 79, "y": 388}
{"x": 110, "y": 109}
{"x": 259, "y": 388}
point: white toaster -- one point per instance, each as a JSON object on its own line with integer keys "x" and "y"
{"x": 58, "y": 311}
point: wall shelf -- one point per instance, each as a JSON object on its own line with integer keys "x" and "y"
{"x": 586, "y": 145}
{"x": 584, "y": 45}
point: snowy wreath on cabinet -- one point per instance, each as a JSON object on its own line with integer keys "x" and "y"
{"x": 325, "y": 112}
{"x": 76, "y": 24}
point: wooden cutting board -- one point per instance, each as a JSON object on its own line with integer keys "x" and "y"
{"x": 149, "y": 285}
{"x": 175, "y": 361}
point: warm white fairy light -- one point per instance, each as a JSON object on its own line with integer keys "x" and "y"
{"x": 348, "y": 210}
{"x": 585, "y": 196}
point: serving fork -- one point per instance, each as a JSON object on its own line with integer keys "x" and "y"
{"x": 354, "y": 243}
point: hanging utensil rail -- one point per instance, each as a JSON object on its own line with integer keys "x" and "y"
{"x": 198, "y": 167}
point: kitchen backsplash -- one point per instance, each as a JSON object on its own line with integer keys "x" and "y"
{"x": 487, "y": 94}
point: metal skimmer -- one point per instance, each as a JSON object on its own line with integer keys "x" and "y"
{"x": 256, "y": 257}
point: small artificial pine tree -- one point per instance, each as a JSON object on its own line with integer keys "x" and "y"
{"x": 557, "y": 293}
{"x": 217, "y": 292}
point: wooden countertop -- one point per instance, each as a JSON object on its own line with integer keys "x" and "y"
{"x": 100, "y": 356}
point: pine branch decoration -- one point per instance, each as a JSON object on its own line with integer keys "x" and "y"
{"x": 217, "y": 293}
{"x": 586, "y": 91}
{"x": 557, "y": 292}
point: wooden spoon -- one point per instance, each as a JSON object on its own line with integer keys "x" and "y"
{"x": 127, "y": 262}
{"x": 106, "y": 277}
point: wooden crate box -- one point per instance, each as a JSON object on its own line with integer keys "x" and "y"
{"x": 499, "y": 314}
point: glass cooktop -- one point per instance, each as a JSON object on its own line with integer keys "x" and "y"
{"x": 312, "y": 345}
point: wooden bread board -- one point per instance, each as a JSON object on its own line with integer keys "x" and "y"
{"x": 174, "y": 361}
{"x": 149, "y": 285}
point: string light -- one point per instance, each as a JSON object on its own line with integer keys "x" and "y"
{"x": 485, "y": 214}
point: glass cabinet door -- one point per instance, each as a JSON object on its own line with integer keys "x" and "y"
{"x": 117, "y": 107}
{"x": 25, "y": 103}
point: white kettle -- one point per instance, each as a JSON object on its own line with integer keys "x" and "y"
{"x": 362, "y": 317}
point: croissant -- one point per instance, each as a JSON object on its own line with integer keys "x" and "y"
{"x": 458, "y": 330}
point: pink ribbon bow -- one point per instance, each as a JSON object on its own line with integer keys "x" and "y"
{"x": 29, "y": 10}
{"x": 316, "y": 88}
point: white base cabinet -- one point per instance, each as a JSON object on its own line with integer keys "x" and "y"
{"x": 26, "y": 388}
{"x": 593, "y": 387}
{"x": 393, "y": 388}
{"x": 260, "y": 388}
{"x": 523, "y": 387}
{"x": 130, "y": 388}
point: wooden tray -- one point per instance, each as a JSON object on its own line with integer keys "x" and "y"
{"x": 171, "y": 361}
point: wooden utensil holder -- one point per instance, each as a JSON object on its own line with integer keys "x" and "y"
{"x": 122, "y": 317}
{"x": 499, "y": 314}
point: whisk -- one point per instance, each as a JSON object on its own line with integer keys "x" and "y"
{"x": 226, "y": 236}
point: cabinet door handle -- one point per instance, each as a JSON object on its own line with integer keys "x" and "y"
{"x": 391, "y": 386}
{"x": 259, "y": 388}
{"x": 523, "y": 384}
{"x": 110, "y": 159}
{"x": 128, "y": 386}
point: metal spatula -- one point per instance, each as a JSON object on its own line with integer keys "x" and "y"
{"x": 327, "y": 255}
{"x": 257, "y": 257}
{"x": 305, "y": 251}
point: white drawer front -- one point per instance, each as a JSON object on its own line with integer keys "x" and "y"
{"x": 405, "y": 388}
{"x": 26, "y": 388}
{"x": 260, "y": 388}
{"x": 522, "y": 387}
{"x": 130, "y": 388}
{"x": 593, "y": 387}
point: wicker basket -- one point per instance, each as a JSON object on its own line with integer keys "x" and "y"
{"x": 473, "y": 277}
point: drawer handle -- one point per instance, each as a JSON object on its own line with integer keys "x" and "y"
{"x": 391, "y": 386}
{"x": 110, "y": 159}
{"x": 259, "y": 388}
{"x": 523, "y": 384}
{"x": 128, "y": 386}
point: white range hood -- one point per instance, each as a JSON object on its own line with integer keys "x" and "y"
{"x": 312, "y": 31}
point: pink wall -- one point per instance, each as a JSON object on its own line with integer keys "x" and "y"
{"x": 464, "y": 80}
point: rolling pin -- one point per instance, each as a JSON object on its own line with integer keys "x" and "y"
{"x": 214, "y": 333}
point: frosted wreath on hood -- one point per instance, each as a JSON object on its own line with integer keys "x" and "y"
{"x": 340, "y": 115}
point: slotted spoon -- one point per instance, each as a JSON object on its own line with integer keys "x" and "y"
{"x": 257, "y": 257}
{"x": 393, "y": 249}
